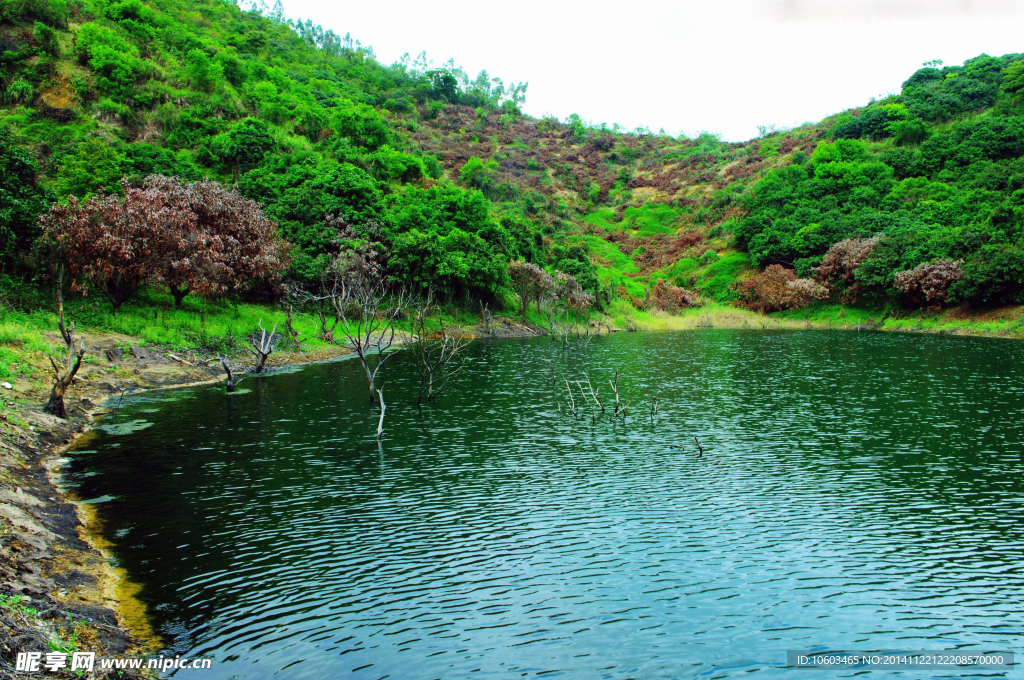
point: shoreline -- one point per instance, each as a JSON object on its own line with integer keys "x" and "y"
{"x": 58, "y": 579}
{"x": 55, "y": 553}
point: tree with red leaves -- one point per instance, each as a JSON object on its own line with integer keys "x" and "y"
{"x": 196, "y": 237}
{"x": 777, "y": 288}
{"x": 224, "y": 241}
{"x": 929, "y": 283}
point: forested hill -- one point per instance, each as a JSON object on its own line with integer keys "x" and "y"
{"x": 916, "y": 200}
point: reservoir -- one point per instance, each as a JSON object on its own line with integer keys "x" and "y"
{"x": 856, "y": 491}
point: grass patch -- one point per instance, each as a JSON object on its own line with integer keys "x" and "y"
{"x": 719, "y": 275}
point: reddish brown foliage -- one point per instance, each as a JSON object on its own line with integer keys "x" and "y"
{"x": 193, "y": 238}
{"x": 669, "y": 298}
{"x": 843, "y": 258}
{"x": 571, "y": 293}
{"x": 777, "y": 288}
{"x": 530, "y": 282}
{"x": 658, "y": 250}
{"x": 929, "y": 283}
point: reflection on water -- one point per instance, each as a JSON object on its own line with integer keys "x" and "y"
{"x": 857, "y": 491}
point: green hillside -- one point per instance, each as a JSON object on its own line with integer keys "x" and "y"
{"x": 910, "y": 202}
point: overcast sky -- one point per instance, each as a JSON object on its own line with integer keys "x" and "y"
{"x": 724, "y": 66}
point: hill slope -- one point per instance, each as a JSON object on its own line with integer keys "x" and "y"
{"x": 928, "y": 183}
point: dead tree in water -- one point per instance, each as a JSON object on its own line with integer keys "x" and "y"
{"x": 62, "y": 377}
{"x": 440, "y": 356}
{"x": 615, "y": 389}
{"x": 369, "y": 330}
{"x": 383, "y": 407}
{"x": 568, "y": 336}
{"x": 262, "y": 345}
{"x": 231, "y": 383}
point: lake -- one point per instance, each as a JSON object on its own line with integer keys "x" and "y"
{"x": 856, "y": 491}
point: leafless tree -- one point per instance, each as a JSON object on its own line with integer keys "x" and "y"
{"x": 368, "y": 328}
{"x": 290, "y": 326}
{"x": 231, "y": 383}
{"x": 568, "y": 336}
{"x": 440, "y": 355}
{"x": 572, "y": 402}
{"x": 357, "y": 289}
{"x": 62, "y": 377}
{"x": 619, "y": 406}
{"x": 326, "y": 334}
{"x": 262, "y": 345}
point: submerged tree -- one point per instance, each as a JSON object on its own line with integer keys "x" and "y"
{"x": 357, "y": 289}
{"x": 262, "y": 345}
{"x": 440, "y": 355}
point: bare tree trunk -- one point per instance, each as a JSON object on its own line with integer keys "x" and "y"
{"x": 383, "y": 407}
{"x": 179, "y": 294}
{"x": 264, "y": 346}
{"x": 231, "y": 383}
{"x": 291, "y": 329}
{"x": 63, "y": 377}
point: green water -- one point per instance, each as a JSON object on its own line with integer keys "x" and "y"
{"x": 858, "y": 491}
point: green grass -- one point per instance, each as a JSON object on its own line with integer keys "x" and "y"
{"x": 152, "y": 318}
{"x": 645, "y": 220}
{"x": 652, "y": 218}
{"x": 840, "y": 316}
{"x": 718, "y": 276}
{"x": 14, "y": 604}
{"x": 617, "y": 261}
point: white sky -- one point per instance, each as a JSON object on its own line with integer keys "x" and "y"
{"x": 722, "y": 66}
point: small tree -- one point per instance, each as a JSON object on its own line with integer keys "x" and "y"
{"x": 262, "y": 346}
{"x": 530, "y": 283}
{"x": 356, "y": 287}
{"x": 63, "y": 376}
{"x": 669, "y": 298}
{"x": 109, "y": 242}
{"x": 569, "y": 291}
{"x": 841, "y": 261}
{"x": 929, "y": 283}
{"x": 777, "y": 288}
{"x": 440, "y": 355}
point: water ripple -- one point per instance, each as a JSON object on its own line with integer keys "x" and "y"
{"x": 858, "y": 491}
